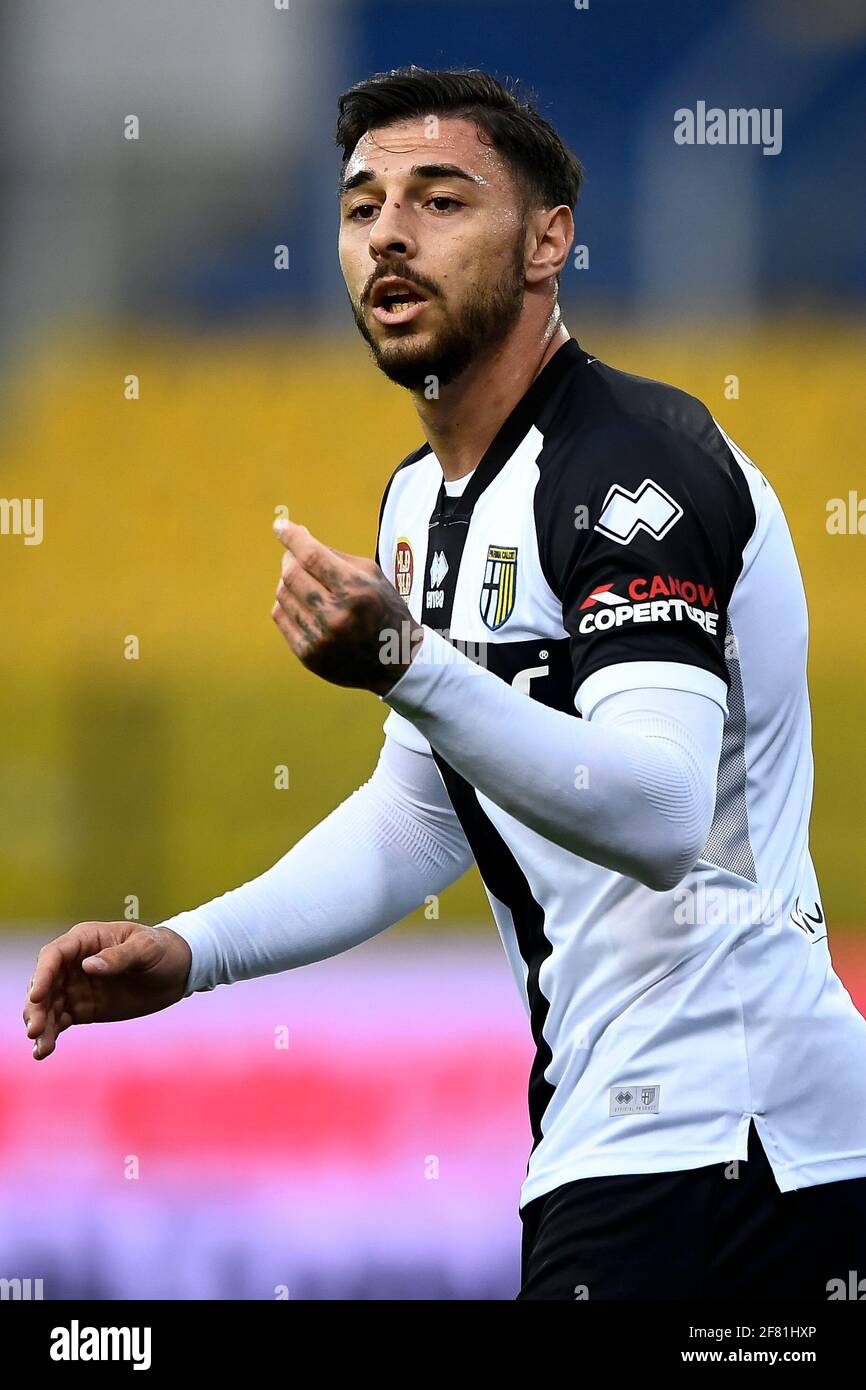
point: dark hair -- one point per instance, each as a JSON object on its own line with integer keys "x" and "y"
{"x": 546, "y": 172}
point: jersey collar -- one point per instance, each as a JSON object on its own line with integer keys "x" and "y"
{"x": 513, "y": 429}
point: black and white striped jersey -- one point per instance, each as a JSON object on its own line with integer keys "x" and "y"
{"x": 614, "y": 538}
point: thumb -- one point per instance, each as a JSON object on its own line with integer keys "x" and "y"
{"x": 112, "y": 960}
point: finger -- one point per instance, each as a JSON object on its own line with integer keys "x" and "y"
{"x": 51, "y": 962}
{"x": 38, "y": 1016}
{"x": 317, "y": 559}
{"x": 80, "y": 1004}
{"x": 44, "y": 1043}
{"x": 311, "y": 624}
{"x": 114, "y": 960}
{"x": 28, "y": 1006}
{"x": 305, "y": 589}
{"x": 46, "y": 1037}
{"x": 44, "y": 1046}
{"x": 361, "y": 562}
{"x": 28, "y": 1010}
{"x": 288, "y": 627}
{"x": 34, "y": 1019}
{"x": 295, "y": 577}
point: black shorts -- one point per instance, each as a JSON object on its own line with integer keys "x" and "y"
{"x": 700, "y": 1233}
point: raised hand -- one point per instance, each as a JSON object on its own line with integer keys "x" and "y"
{"x": 339, "y": 614}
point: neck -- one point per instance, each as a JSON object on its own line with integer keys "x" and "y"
{"x": 464, "y": 421}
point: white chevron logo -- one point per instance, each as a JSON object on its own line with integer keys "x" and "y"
{"x": 648, "y": 508}
{"x": 438, "y": 569}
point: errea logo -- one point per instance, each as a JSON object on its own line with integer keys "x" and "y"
{"x": 649, "y": 508}
{"x": 438, "y": 569}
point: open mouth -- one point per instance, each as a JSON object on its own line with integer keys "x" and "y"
{"x": 400, "y": 299}
{"x": 397, "y": 301}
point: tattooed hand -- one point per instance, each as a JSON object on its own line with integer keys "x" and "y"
{"x": 340, "y": 616}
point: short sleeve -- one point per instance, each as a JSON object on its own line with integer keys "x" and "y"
{"x": 642, "y": 539}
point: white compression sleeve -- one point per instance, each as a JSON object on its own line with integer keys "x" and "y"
{"x": 632, "y": 788}
{"x": 376, "y": 857}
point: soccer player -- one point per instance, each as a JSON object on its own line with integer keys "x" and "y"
{"x": 587, "y": 622}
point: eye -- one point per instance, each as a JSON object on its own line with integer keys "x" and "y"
{"x": 444, "y": 198}
{"x": 362, "y": 207}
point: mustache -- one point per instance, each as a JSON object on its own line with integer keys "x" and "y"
{"x": 396, "y": 273}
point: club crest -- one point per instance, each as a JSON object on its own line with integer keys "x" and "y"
{"x": 500, "y": 585}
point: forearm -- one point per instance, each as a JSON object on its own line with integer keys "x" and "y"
{"x": 375, "y": 858}
{"x": 632, "y": 790}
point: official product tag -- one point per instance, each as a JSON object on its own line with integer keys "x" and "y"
{"x": 634, "y": 1100}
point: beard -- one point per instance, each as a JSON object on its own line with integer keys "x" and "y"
{"x": 481, "y": 323}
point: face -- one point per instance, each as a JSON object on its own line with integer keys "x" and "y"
{"x": 425, "y": 201}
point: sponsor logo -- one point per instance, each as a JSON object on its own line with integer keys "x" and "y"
{"x": 642, "y": 588}
{"x": 649, "y": 508}
{"x": 650, "y": 599}
{"x": 404, "y": 568}
{"x": 499, "y": 588}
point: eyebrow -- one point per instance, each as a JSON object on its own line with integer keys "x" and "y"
{"x": 418, "y": 171}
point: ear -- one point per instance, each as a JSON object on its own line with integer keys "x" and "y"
{"x": 550, "y": 234}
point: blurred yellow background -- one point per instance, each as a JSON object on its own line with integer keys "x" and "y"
{"x": 154, "y": 777}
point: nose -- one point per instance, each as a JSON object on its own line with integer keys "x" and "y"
{"x": 390, "y": 234}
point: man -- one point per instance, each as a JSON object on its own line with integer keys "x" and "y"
{"x": 569, "y": 541}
